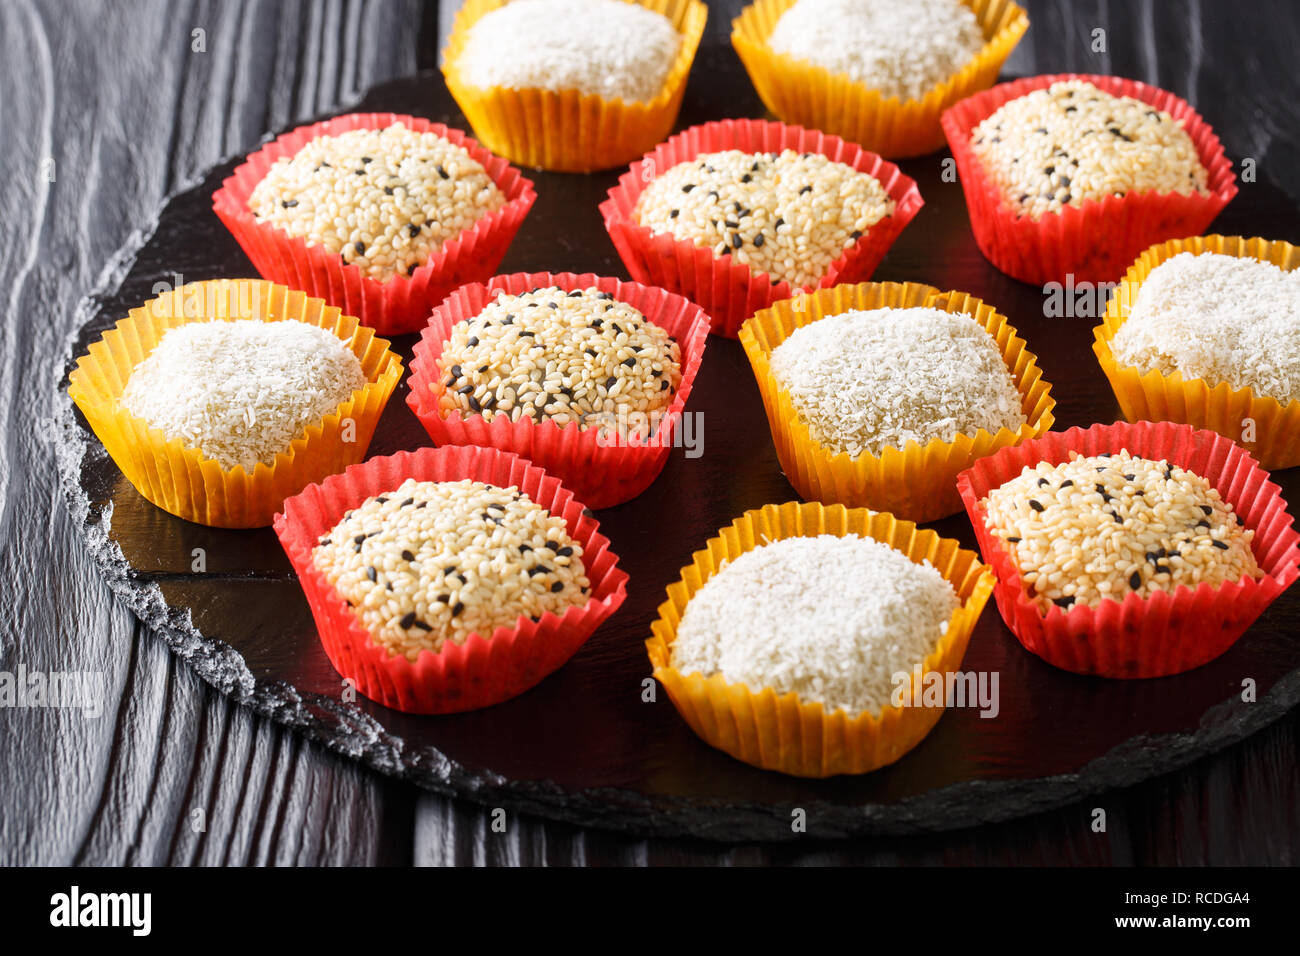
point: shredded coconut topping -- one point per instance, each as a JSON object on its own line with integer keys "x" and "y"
{"x": 438, "y": 561}
{"x": 383, "y": 200}
{"x": 241, "y": 392}
{"x": 607, "y": 48}
{"x": 789, "y": 215}
{"x": 1218, "y": 318}
{"x": 866, "y": 381}
{"x": 1071, "y": 142}
{"x": 1100, "y": 527}
{"x": 832, "y": 619}
{"x": 903, "y": 48}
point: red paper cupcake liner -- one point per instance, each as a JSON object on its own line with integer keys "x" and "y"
{"x": 479, "y": 672}
{"x": 602, "y": 475}
{"x": 1166, "y": 633}
{"x": 728, "y": 290}
{"x": 1094, "y": 240}
{"x": 403, "y": 302}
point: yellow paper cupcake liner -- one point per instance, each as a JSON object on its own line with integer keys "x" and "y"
{"x": 1237, "y": 414}
{"x": 917, "y": 482}
{"x": 800, "y": 92}
{"x": 567, "y": 131}
{"x": 181, "y": 480}
{"x": 781, "y": 732}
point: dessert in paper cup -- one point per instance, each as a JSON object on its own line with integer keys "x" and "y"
{"x": 586, "y": 376}
{"x": 797, "y": 709}
{"x": 533, "y": 97}
{"x": 1075, "y": 175}
{"x": 738, "y": 214}
{"x": 802, "y": 76}
{"x": 220, "y": 399}
{"x": 1130, "y": 550}
{"x": 442, "y": 212}
{"x": 871, "y": 449}
{"x": 449, "y": 579}
{"x": 1211, "y": 342}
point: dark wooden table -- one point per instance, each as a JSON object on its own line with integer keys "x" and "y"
{"x": 107, "y": 107}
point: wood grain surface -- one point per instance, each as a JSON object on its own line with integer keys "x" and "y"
{"x": 108, "y": 107}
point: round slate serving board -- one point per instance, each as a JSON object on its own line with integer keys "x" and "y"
{"x": 584, "y": 746}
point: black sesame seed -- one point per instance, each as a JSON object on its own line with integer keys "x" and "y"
{"x": 856, "y": 234}
{"x": 443, "y": 172}
{"x": 688, "y": 187}
{"x": 663, "y": 385}
{"x": 779, "y": 223}
{"x": 1135, "y": 581}
{"x": 673, "y": 213}
{"x": 1035, "y": 505}
{"x": 360, "y": 247}
{"x": 288, "y": 203}
{"x": 557, "y": 587}
{"x": 1063, "y": 601}
{"x": 758, "y": 241}
{"x": 1013, "y": 540}
{"x": 413, "y": 230}
{"x": 359, "y": 538}
{"x": 736, "y": 240}
{"x": 538, "y": 569}
{"x": 618, "y": 329}
{"x": 746, "y": 178}
{"x": 806, "y": 189}
{"x": 590, "y": 351}
{"x": 1043, "y": 482}
{"x": 474, "y": 404}
{"x": 1207, "y": 509}
{"x": 473, "y": 341}
{"x": 564, "y": 552}
{"x": 371, "y": 573}
{"x": 1067, "y": 483}
{"x": 457, "y": 608}
{"x": 407, "y": 620}
{"x": 407, "y": 556}
{"x": 465, "y": 389}
{"x": 1221, "y": 545}
{"x": 610, "y": 382}
{"x": 629, "y": 362}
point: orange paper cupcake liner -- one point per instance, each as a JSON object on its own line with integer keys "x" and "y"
{"x": 916, "y": 482}
{"x": 1166, "y": 633}
{"x": 481, "y": 671}
{"x": 1237, "y": 414}
{"x": 180, "y": 479}
{"x": 602, "y": 474}
{"x": 402, "y": 303}
{"x": 567, "y": 131}
{"x": 1093, "y": 240}
{"x": 782, "y": 732}
{"x": 801, "y": 92}
{"x": 728, "y": 290}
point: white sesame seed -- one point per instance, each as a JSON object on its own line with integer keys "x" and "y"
{"x": 789, "y": 215}
{"x": 566, "y": 356}
{"x": 1071, "y": 142}
{"x": 383, "y": 200}
{"x": 431, "y": 562}
{"x": 1101, "y": 527}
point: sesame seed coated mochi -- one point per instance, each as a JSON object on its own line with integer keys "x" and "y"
{"x": 382, "y": 200}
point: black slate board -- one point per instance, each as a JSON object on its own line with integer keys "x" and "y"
{"x": 582, "y": 746}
